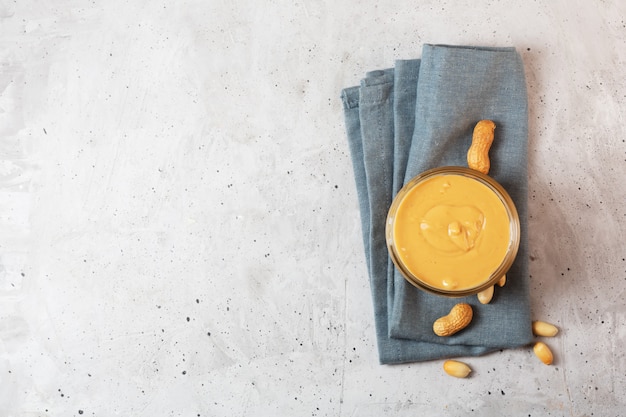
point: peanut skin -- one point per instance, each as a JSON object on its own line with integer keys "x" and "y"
{"x": 478, "y": 153}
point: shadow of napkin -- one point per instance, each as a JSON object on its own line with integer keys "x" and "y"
{"x": 420, "y": 115}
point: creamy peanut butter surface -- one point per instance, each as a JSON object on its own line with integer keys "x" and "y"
{"x": 452, "y": 232}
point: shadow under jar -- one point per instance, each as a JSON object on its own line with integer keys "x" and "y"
{"x": 452, "y": 231}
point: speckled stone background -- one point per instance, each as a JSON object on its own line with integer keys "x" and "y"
{"x": 179, "y": 233}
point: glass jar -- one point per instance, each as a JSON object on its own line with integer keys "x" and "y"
{"x": 449, "y": 247}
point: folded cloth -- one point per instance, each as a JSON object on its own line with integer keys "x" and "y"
{"x": 420, "y": 115}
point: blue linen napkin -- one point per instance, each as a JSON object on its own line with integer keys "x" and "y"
{"x": 419, "y": 115}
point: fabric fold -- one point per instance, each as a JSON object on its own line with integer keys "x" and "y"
{"x": 419, "y": 115}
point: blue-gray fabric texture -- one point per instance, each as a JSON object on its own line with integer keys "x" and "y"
{"x": 418, "y": 115}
